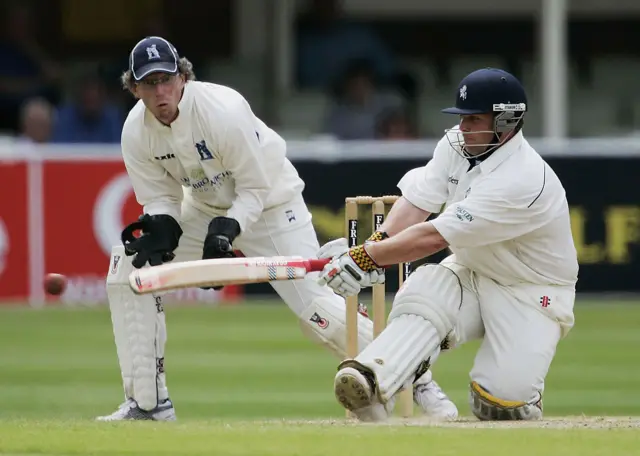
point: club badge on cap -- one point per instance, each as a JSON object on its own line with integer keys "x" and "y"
{"x": 153, "y": 54}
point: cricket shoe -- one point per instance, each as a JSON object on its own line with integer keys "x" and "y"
{"x": 129, "y": 410}
{"x": 433, "y": 401}
{"x": 354, "y": 390}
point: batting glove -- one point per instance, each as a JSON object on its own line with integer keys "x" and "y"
{"x": 333, "y": 249}
{"x": 351, "y": 271}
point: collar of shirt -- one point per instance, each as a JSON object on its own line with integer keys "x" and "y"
{"x": 498, "y": 156}
{"x": 184, "y": 105}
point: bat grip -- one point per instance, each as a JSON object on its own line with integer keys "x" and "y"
{"x": 314, "y": 265}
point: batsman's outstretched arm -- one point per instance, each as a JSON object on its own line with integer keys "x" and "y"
{"x": 402, "y": 215}
{"x": 418, "y": 241}
{"x": 424, "y": 192}
{"x": 360, "y": 266}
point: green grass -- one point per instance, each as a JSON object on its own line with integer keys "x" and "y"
{"x": 229, "y": 366}
{"x": 287, "y": 439}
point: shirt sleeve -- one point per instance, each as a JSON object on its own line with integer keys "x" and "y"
{"x": 427, "y": 187}
{"x": 489, "y": 216}
{"x": 250, "y": 166}
{"x": 155, "y": 189}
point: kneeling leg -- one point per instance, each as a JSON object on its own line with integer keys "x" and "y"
{"x": 424, "y": 313}
{"x": 507, "y": 379}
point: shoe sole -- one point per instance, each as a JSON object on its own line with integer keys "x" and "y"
{"x": 350, "y": 392}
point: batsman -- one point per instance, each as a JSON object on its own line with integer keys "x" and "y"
{"x": 212, "y": 178}
{"x": 510, "y": 280}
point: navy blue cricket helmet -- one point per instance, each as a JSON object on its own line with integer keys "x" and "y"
{"x": 491, "y": 90}
{"x": 479, "y": 92}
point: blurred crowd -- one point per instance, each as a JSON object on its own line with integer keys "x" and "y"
{"x": 371, "y": 96}
{"x": 40, "y": 100}
{"x": 44, "y": 101}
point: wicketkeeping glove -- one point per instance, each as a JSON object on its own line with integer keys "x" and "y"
{"x": 220, "y": 236}
{"x": 160, "y": 236}
{"x": 219, "y": 241}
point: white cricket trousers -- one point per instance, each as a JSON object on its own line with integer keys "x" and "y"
{"x": 520, "y": 327}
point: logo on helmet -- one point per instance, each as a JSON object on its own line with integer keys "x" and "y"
{"x": 463, "y": 92}
{"x": 501, "y": 107}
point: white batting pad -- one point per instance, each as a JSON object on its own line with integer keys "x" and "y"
{"x": 434, "y": 292}
{"x": 394, "y": 356}
{"x": 324, "y": 321}
{"x": 139, "y": 329}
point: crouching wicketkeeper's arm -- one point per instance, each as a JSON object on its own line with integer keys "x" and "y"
{"x": 255, "y": 169}
{"x": 155, "y": 189}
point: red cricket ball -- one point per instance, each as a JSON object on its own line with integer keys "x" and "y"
{"x": 55, "y": 284}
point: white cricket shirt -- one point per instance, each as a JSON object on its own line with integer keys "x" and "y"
{"x": 506, "y": 218}
{"x": 217, "y": 150}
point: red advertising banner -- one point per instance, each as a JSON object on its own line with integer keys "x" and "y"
{"x": 63, "y": 216}
{"x": 14, "y": 232}
{"x": 86, "y": 205}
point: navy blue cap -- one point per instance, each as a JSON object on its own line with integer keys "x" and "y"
{"x": 489, "y": 90}
{"x": 153, "y": 54}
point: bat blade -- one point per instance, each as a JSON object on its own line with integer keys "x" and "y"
{"x": 222, "y": 271}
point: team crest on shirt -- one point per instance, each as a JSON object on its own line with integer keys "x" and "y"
{"x": 203, "y": 151}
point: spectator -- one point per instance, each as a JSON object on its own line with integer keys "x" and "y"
{"x": 358, "y": 104}
{"x": 26, "y": 71}
{"x": 88, "y": 117}
{"x": 327, "y": 43}
{"x": 395, "y": 124}
{"x": 36, "y": 119}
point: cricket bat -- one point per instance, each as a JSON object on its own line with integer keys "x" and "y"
{"x": 222, "y": 271}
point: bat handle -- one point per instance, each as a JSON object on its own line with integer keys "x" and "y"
{"x": 314, "y": 265}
